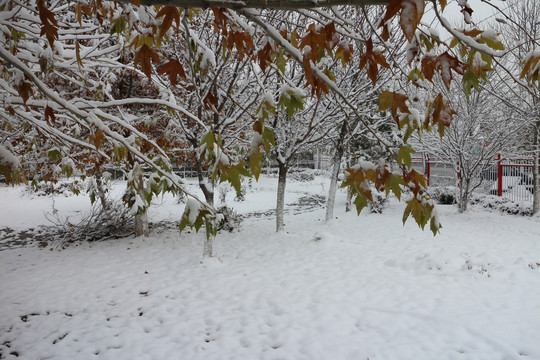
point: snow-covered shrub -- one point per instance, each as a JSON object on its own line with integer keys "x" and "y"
{"x": 380, "y": 201}
{"x": 222, "y": 192}
{"x": 229, "y": 219}
{"x": 242, "y": 195}
{"x": 115, "y": 223}
{"x": 502, "y": 204}
{"x": 445, "y": 195}
{"x": 60, "y": 188}
{"x": 303, "y": 175}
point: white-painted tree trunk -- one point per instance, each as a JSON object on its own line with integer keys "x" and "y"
{"x": 280, "y": 204}
{"x": 101, "y": 192}
{"x": 536, "y": 177}
{"x": 340, "y": 149}
{"x": 141, "y": 220}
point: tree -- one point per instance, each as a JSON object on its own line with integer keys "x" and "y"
{"x": 80, "y": 43}
{"x": 520, "y": 28}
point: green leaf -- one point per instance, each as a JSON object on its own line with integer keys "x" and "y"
{"x": 54, "y": 155}
{"x": 255, "y": 164}
{"x": 280, "y": 61}
{"x": 269, "y": 138}
{"x": 360, "y": 202}
{"x": 394, "y": 183}
{"x": 434, "y": 226}
{"x": 209, "y": 140}
{"x": 232, "y": 175}
{"x": 470, "y": 80}
{"x": 492, "y": 43}
{"x": 404, "y": 155}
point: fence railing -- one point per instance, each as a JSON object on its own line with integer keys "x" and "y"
{"x": 510, "y": 178}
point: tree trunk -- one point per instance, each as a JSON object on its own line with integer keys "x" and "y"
{"x": 141, "y": 220}
{"x": 335, "y": 172}
{"x": 282, "y": 180}
{"x": 348, "y": 204}
{"x": 536, "y": 180}
{"x": 463, "y": 196}
{"x": 210, "y": 237}
{"x": 101, "y": 192}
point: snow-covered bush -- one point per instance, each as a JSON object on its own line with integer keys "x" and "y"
{"x": 229, "y": 219}
{"x": 502, "y": 204}
{"x": 380, "y": 201}
{"x": 444, "y": 195}
{"x": 60, "y": 188}
{"x": 302, "y": 175}
{"x": 114, "y": 223}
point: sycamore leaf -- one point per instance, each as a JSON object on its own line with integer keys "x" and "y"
{"x": 372, "y": 58}
{"x": 232, "y": 174}
{"x": 255, "y": 164}
{"x": 174, "y": 68}
{"x": 78, "y": 54}
{"x": 470, "y": 80}
{"x": 169, "y": 13}
{"x": 25, "y": 89}
{"x": 411, "y": 13}
{"x": 145, "y": 56}
{"x": 360, "y": 202}
{"x": 492, "y": 42}
{"x": 263, "y": 56}
{"x": 404, "y": 155}
{"x": 395, "y": 102}
{"x": 49, "y": 115}
{"x": 49, "y": 26}
{"x": 443, "y": 4}
{"x": 97, "y": 138}
{"x": 394, "y": 183}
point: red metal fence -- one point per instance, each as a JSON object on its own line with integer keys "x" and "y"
{"x": 511, "y": 178}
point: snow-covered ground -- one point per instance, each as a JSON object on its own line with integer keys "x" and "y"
{"x": 361, "y": 287}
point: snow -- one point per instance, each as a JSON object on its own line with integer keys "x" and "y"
{"x": 358, "y": 287}
{"x": 7, "y": 158}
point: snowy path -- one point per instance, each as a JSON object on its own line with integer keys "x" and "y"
{"x": 359, "y": 288}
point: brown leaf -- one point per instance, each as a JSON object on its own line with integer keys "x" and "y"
{"x": 169, "y": 13}
{"x": 263, "y": 55}
{"x": 49, "y": 115}
{"x": 411, "y": 13}
{"x": 445, "y": 64}
{"x": 145, "y": 56}
{"x": 78, "y": 53}
{"x": 49, "y": 26}
{"x": 174, "y": 68}
{"x": 394, "y": 102}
